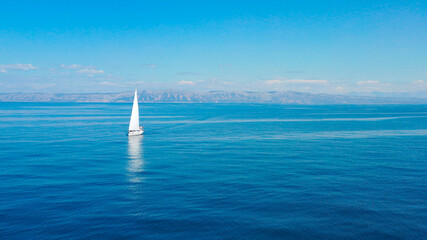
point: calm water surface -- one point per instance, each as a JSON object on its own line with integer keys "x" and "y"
{"x": 213, "y": 171}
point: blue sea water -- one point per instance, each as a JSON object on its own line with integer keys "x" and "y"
{"x": 213, "y": 171}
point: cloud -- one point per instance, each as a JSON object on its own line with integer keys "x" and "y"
{"x": 189, "y": 73}
{"x": 183, "y": 82}
{"x": 367, "y": 82}
{"x": 75, "y": 66}
{"x": 111, "y": 84}
{"x": 306, "y": 81}
{"x": 106, "y": 83}
{"x": 295, "y": 81}
{"x": 273, "y": 82}
{"x": 42, "y": 86}
{"x": 90, "y": 71}
{"x": 418, "y": 82}
{"x": 339, "y": 89}
{"x": 16, "y": 66}
{"x": 150, "y": 65}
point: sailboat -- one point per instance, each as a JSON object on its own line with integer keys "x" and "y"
{"x": 134, "y": 128}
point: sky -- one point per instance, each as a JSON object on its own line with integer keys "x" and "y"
{"x": 325, "y": 46}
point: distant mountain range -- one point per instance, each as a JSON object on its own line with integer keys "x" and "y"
{"x": 176, "y": 96}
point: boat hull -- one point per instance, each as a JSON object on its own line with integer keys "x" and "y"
{"x": 135, "y": 132}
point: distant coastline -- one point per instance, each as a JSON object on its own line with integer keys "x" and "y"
{"x": 177, "y": 96}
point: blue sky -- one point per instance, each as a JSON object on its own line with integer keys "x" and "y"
{"x": 313, "y": 46}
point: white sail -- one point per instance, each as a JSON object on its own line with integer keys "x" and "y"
{"x": 134, "y": 118}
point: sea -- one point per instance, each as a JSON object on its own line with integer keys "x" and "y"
{"x": 213, "y": 171}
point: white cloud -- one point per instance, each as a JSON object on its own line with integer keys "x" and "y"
{"x": 16, "y": 66}
{"x": 42, "y": 86}
{"x": 295, "y": 81}
{"x": 111, "y": 84}
{"x": 183, "y": 82}
{"x": 418, "y": 82}
{"x": 83, "y": 69}
{"x": 339, "y": 89}
{"x": 306, "y": 81}
{"x": 367, "y": 82}
{"x": 90, "y": 71}
{"x": 75, "y": 66}
{"x": 273, "y": 82}
{"x": 150, "y": 65}
{"x": 189, "y": 73}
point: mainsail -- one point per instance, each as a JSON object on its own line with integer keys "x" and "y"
{"x": 134, "y": 118}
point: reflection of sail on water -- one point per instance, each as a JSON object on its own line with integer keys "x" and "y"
{"x": 136, "y": 158}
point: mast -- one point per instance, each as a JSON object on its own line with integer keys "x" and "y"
{"x": 134, "y": 118}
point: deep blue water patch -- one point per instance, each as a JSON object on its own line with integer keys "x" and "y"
{"x": 213, "y": 171}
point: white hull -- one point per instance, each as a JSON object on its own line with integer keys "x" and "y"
{"x": 136, "y": 132}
